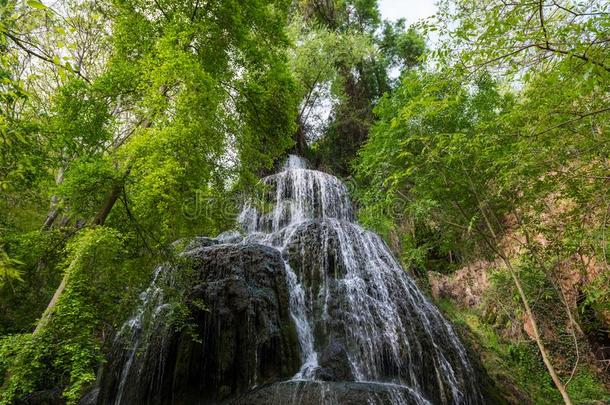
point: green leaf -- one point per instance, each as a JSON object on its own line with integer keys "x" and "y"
{"x": 36, "y": 4}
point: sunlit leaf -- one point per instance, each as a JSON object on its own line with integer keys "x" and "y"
{"x": 36, "y": 4}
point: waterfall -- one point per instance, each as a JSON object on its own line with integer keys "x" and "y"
{"x": 345, "y": 283}
{"x": 302, "y": 306}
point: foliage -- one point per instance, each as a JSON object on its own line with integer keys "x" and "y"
{"x": 517, "y": 365}
{"x": 125, "y": 125}
{"x": 121, "y": 113}
{"x": 67, "y": 349}
{"x": 501, "y": 152}
{"x": 8, "y": 269}
{"x": 342, "y": 63}
{"x": 525, "y": 37}
{"x": 436, "y": 151}
{"x": 24, "y": 300}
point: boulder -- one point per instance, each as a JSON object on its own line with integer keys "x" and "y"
{"x": 239, "y": 334}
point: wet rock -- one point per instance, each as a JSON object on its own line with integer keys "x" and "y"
{"x": 240, "y": 337}
{"x": 90, "y": 398}
{"x": 200, "y": 242}
{"x": 185, "y": 245}
{"x": 314, "y": 254}
{"x": 369, "y": 320}
{"x": 320, "y": 392}
{"x": 300, "y": 194}
{"x": 334, "y": 363}
{"x": 46, "y": 397}
{"x": 230, "y": 237}
{"x": 368, "y": 335}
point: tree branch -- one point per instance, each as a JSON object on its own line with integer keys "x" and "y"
{"x": 548, "y": 47}
{"x": 580, "y": 117}
{"x": 20, "y": 44}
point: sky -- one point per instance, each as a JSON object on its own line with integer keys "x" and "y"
{"x": 410, "y": 10}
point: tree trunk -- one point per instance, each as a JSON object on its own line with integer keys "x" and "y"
{"x": 543, "y": 352}
{"x": 44, "y": 319}
{"x": 53, "y": 210}
{"x": 102, "y": 214}
{"x": 99, "y": 219}
{"x": 492, "y": 245}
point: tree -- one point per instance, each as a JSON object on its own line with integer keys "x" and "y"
{"x": 452, "y": 148}
{"x": 474, "y": 159}
{"x": 342, "y": 64}
{"x": 190, "y": 100}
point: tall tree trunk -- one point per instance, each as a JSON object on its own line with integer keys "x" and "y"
{"x": 46, "y": 315}
{"x": 102, "y": 214}
{"x": 574, "y": 326}
{"x": 99, "y": 218}
{"x": 528, "y": 311}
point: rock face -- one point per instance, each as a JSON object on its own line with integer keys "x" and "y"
{"x": 466, "y": 286}
{"x": 242, "y": 337}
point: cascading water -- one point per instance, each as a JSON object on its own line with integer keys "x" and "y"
{"x": 350, "y": 298}
{"x": 305, "y": 308}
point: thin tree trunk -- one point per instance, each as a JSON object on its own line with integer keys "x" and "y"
{"x": 574, "y": 326}
{"x": 54, "y": 210}
{"x": 51, "y": 218}
{"x": 102, "y": 214}
{"x": 537, "y": 337}
{"x": 44, "y": 319}
{"x": 543, "y": 352}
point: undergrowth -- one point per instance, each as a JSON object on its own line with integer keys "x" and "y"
{"x": 519, "y": 363}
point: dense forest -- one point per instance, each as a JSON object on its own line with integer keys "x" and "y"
{"x": 475, "y": 142}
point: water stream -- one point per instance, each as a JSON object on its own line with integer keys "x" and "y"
{"x": 366, "y": 333}
{"x": 387, "y": 328}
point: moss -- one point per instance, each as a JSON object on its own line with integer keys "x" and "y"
{"x": 292, "y": 360}
{"x": 584, "y": 388}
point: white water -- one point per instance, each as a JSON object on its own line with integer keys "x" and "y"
{"x": 151, "y": 304}
{"x": 391, "y": 332}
